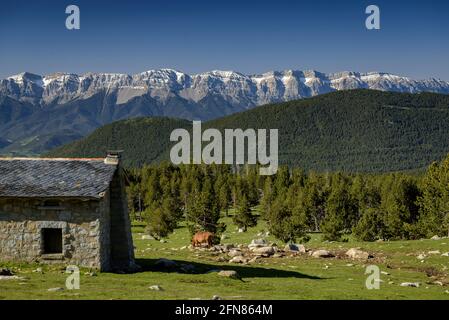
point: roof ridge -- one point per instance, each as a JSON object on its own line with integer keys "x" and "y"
{"x": 50, "y": 159}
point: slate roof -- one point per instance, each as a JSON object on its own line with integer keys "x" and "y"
{"x": 41, "y": 178}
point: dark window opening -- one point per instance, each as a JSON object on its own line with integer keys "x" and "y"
{"x": 52, "y": 240}
{"x": 51, "y": 203}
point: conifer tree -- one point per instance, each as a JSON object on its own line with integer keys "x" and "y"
{"x": 244, "y": 217}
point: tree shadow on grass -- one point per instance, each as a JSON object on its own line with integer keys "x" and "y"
{"x": 244, "y": 271}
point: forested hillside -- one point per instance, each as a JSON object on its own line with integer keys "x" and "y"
{"x": 356, "y": 130}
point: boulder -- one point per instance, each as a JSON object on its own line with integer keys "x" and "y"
{"x": 410, "y": 284}
{"x": 295, "y": 248}
{"x": 224, "y": 237}
{"x": 6, "y": 272}
{"x": 227, "y": 246}
{"x": 221, "y": 259}
{"x": 434, "y": 252}
{"x": 322, "y": 254}
{"x": 156, "y": 288}
{"x": 446, "y": 254}
{"x": 229, "y": 274}
{"x": 421, "y": 257}
{"x": 256, "y": 243}
{"x": 435, "y": 237}
{"x": 263, "y": 251}
{"x": 11, "y": 278}
{"x": 254, "y": 259}
{"x": 238, "y": 259}
{"x": 147, "y": 237}
{"x": 234, "y": 253}
{"x": 356, "y": 253}
{"x": 55, "y": 289}
{"x": 215, "y": 297}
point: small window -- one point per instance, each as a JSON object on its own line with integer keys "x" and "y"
{"x": 52, "y": 240}
{"x": 51, "y": 203}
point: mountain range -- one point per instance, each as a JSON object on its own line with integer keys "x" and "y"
{"x": 38, "y": 113}
{"x": 351, "y": 130}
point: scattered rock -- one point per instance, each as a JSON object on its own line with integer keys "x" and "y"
{"x": 10, "y": 278}
{"x": 229, "y": 274}
{"x": 349, "y": 265}
{"x": 166, "y": 263}
{"x": 322, "y": 254}
{"x": 435, "y": 237}
{"x": 224, "y": 237}
{"x": 445, "y": 254}
{"x": 55, "y": 289}
{"x": 410, "y": 284}
{"x": 257, "y": 243}
{"x": 238, "y": 259}
{"x": 156, "y": 288}
{"x": 356, "y": 253}
{"x": 438, "y": 283}
{"x": 234, "y": 253}
{"x": 434, "y": 252}
{"x": 38, "y": 270}
{"x": 385, "y": 273}
{"x": 241, "y": 230}
{"x": 183, "y": 248}
{"x": 226, "y": 247}
{"x": 292, "y": 247}
{"x": 215, "y": 297}
{"x": 6, "y": 272}
{"x": 421, "y": 257}
{"x": 163, "y": 241}
{"x": 254, "y": 259}
{"x": 263, "y": 251}
{"x": 278, "y": 255}
{"x": 147, "y": 237}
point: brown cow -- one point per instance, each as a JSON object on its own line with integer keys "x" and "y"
{"x": 203, "y": 237}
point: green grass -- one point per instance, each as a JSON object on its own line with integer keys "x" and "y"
{"x": 299, "y": 277}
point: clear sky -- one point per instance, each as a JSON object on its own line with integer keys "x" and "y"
{"x": 247, "y": 36}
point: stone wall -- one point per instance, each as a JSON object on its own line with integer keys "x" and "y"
{"x": 85, "y": 228}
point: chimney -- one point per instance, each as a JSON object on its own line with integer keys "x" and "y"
{"x": 113, "y": 157}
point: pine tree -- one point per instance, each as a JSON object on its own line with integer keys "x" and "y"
{"x": 434, "y": 202}
{"x": 244, "y": 217}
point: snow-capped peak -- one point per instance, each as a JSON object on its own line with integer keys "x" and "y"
{"x": 236, "y": 88}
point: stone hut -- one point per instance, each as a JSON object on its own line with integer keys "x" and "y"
{"x": 69, "y": 211}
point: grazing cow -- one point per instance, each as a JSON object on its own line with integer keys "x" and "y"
{"x": 201, "y": 238}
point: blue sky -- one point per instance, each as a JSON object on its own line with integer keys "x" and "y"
{"x": 246, "y": 36}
